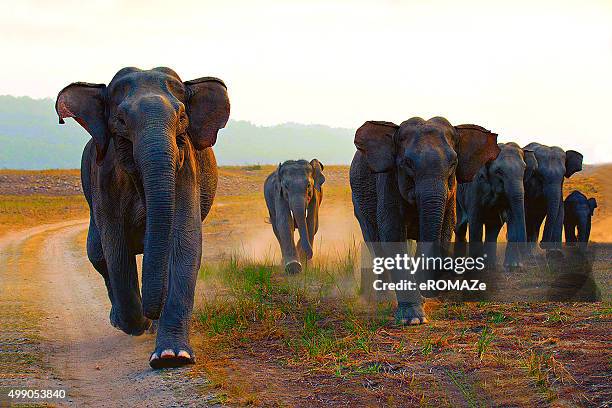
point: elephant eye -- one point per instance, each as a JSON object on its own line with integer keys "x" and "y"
{"x": 183, "y": 122}
{"x": 118, "y": 127}
{"x": 499, "y": 172}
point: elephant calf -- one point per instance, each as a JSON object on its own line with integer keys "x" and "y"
{"x": 497, "y": 196}
{"x": 293, "y": 194}
{"x": 578, "y": 212}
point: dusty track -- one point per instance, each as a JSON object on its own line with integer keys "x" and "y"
{"x": 45, "y": 271}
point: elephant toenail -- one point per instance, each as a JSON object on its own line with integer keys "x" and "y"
{"x": 154, "y": 356}
{"x": 167, "y": 353}
{"x": 183, "y": 353}
{"x": 414, "y": 320}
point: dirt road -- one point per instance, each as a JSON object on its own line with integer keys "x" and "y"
{"x": 55, "y": 311}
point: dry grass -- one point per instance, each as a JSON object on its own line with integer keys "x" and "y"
{"x": 17, "y": 212}
{"x": 307, "y": 340}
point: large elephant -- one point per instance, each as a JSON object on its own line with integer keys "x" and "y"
{"x": 403, "y": 180}
{"x": 497, "y": 196}
{"x": 149, "y": 176}
{"x": 544, "y": 192}
{"x": 293, "y": 194}
{"x": 578, "y": 212}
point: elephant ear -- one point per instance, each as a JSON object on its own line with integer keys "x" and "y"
{"x": 475, "y": 146}
{"x": 375, "y": 140}
{"x": 531, "y": 162}
{"x": 319, "y": 178}
{"x": 208, "y": 109}
{"x": 86, "y": 103}
{"x": 592, "y": 204}
{"x": 573, "y": 162}
{"x": 278, "y": 178}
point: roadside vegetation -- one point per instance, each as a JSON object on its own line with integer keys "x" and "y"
{"x": 310, "y": 339}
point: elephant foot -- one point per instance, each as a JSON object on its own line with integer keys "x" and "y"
{"x": 171, "y": 358}
{"x": 293, "y": 267}
{"x": 132, "y": 326}
{"x": 409, "y": 314}
{"x": 513, "y": 265}
{"x": 554, "y": 254}
{"x": 114, "y": 318}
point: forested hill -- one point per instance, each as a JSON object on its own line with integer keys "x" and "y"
{"x": 31, "y": 138}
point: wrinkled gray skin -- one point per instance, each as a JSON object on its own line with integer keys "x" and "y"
{"x": 293, "y": 194}
{"x": 403, "y": 181}
{"x": 497, "y": 196}
{"x": 544, "y": 192}
{"x": 149, "y": 177}
{"x": 578, "y": 212}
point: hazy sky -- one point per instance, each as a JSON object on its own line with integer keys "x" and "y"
{"x": 531, "y": 71}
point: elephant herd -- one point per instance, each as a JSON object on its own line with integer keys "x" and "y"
{"x": 149, "y": 176}
{"x": 425, "y": 180}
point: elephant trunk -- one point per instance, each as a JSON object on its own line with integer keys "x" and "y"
{"x": 431, "y": 198}
{"x": 516, "y": 221}
{"x": 298, "y": 208}
{"x": 431, "y": 205}
{"x": 157, "y": 162}
{"x": 552, "y": 192}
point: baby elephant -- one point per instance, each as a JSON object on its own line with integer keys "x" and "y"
{"x": 497, "y": 196}
{"x": 578, "y": 213}
{"x": 293, "y": 195}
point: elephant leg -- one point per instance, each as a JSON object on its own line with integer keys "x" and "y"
{"x": 284, "y": 228}
{"x": 284, "y": 234}
{"x": 461, "y": 238}
{"x": 363, "y": 193}
{"x": 557, "y": 230}
{"x": 172, "y": 343}
{"x": 475, "y": 227}
{"x": 492, "y": 228}
{"x": 570, "y": 232}
{"x": 533, "y": 222}
{"x": 587, "y": 231}
{"x": 121, "y": 266}
{"x": 312, "y": 218}
{"x": 392, "y": 228}
{"x": 312, "y": 224}
{"x": 300, "y": 251}
{"x": 96, "y": 257}
{"x": 461, "y": 231}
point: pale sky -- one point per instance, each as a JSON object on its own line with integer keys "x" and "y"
{"x": 528, "y": 70}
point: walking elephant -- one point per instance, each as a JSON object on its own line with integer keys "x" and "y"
{"x": 497, "y": 196}
{"x": 544, "y": 192}
{"x": 578, "y": 212}
{"x": 149, "y": 176}
{"x": 403, "y": 180}
{"x": 293, "y": 194}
